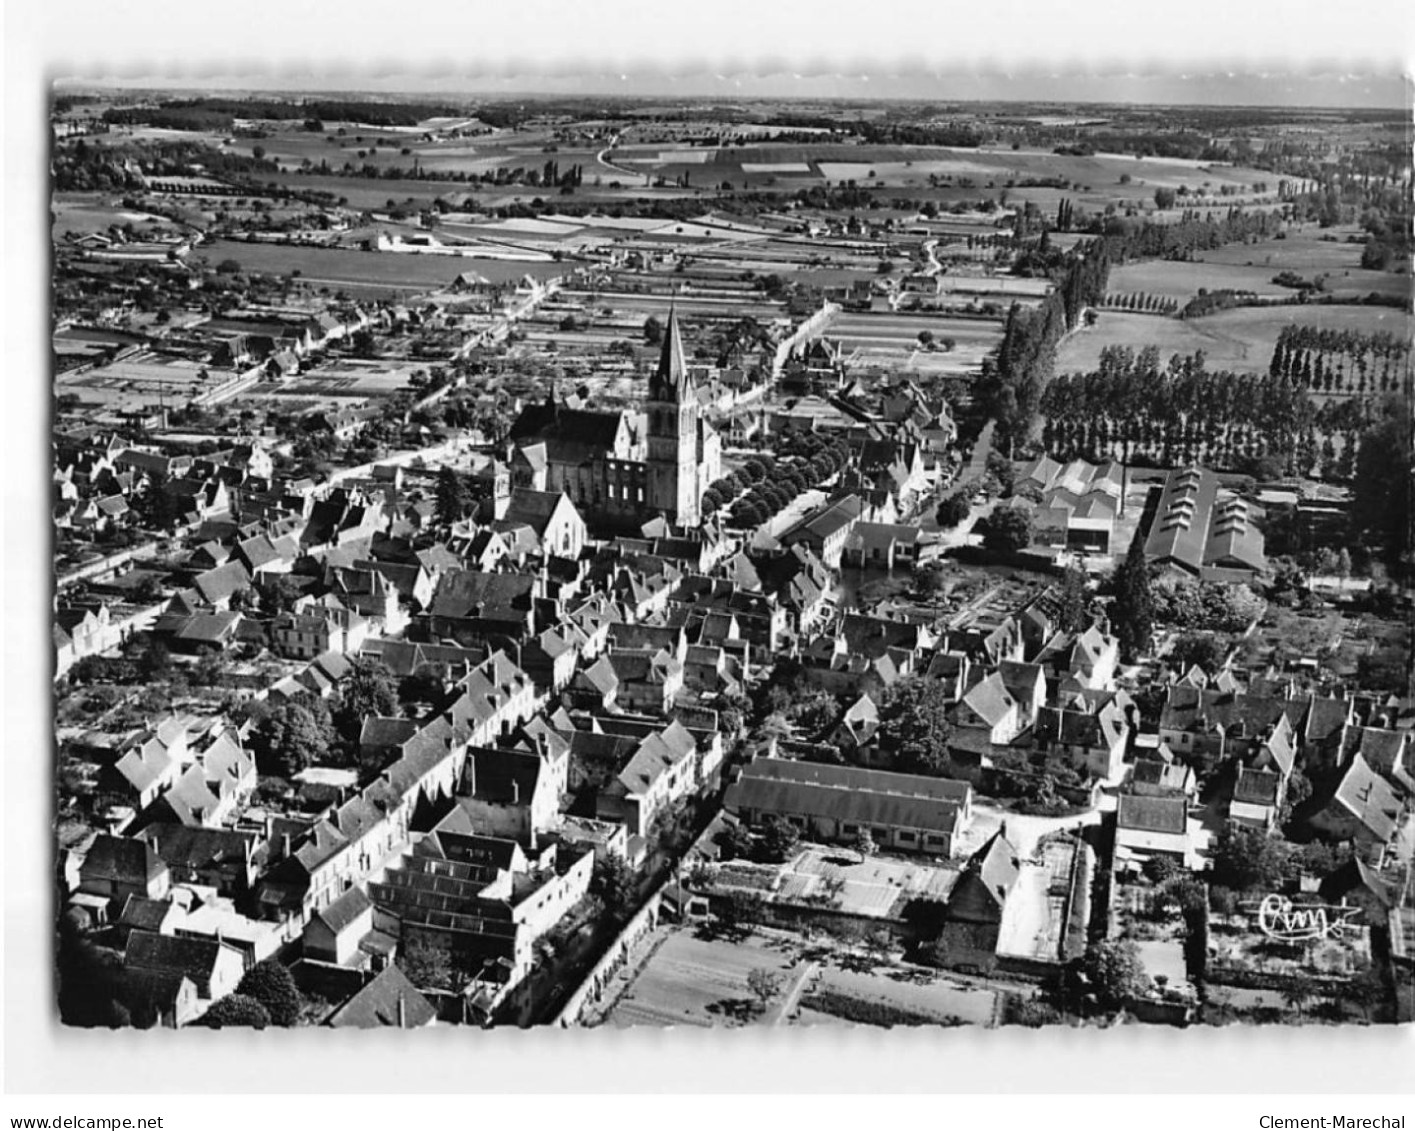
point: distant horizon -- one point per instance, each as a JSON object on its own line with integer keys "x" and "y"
{"x": 1330, "y": 89}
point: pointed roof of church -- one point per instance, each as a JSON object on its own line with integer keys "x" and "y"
{"x": 670, "y": 381}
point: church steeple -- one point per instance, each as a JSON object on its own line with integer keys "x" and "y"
{"x": 670, "y": 380}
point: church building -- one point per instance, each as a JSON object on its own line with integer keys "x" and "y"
{"x": 623, "y": 469}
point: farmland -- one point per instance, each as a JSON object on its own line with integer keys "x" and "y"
{"x": 1311, "y": 254}
{"x": 1241, "y": 340}
{"x": 370, "y": 274}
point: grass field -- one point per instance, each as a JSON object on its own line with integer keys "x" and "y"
{"x": 1241, "y": 340}
{"x": 694, "y": 981}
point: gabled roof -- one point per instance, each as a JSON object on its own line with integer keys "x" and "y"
{"x": 502, "y": 777}
{"x": 192, "y": 957}
{"x": 220, "y": 583}
{"x": 1153, "y": 814}
{"x": 198, "y": 848}
{"x": 122, "y": 860}
{"x": 342, "y": 913}
{"x": 1367, "y": 797}
{"x": 1257, "y": 787}
{"x": 996, "y": 867}
{"x": 990, "y": 699}
{"x": 386, "y": 1002}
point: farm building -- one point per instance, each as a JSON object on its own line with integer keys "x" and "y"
{"x": 899, "y": 811}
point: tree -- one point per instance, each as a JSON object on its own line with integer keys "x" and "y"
{"x": 228, "y": 267}
{"x": 1001, "y": 469}
{"x": 1299, "y": 790}
{"x": 1164, "y": 198}
{"x": 1381, "y": 491}
{"x": 1223, "y": 900}
{"x": 953, "y": 510}
{"x": 615, "y": 884}
{"x": 89, "y": 980}
{"x": 1115, "y": 972}
{"x": 1246, "y": 858}
{"x": 278, "y": 594}
{"x": 765, "y": 985}
{"x": 735, "y": 842}
{"x": 428, "y": 684}
{"x": 653, "y": 330}
{"x": 737, "y": 909}
{"x": 1202, "y": 648}
{"x": 369, "y": 690}
{"x": 1073, "y": 601}
{"x": 294, "y": 735}
{"x": 271, "y": 984}
{"x": 864, "y": 843}
{"x": 779, "y": 840}
{"x": 236, "y": 1011}
{"x": 154, "y": 661}
{"x": 429, "y": 966}
{"x": 1008, "y": 530}
{"x": 1160, "y": 869}
{"x": 1132, "y": 611}
{"x": 453, "y": 498}
{"x": 914, "y": 725}
{"x": 1296, "y": 994}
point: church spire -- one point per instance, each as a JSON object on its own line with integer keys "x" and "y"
{"x": 671, "y": 379}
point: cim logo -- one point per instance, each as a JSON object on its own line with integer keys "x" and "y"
{"x": 1280, "y": 918}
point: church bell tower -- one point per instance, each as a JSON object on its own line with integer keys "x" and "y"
{"x": 673, "y": 412}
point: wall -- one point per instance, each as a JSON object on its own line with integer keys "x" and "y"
{"x": 595, "y": 981}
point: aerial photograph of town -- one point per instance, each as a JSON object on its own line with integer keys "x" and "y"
{"x": 588, "y": 561}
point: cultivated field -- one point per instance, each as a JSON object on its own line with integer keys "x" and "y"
{"x": 1241, "y": 340}
{"x": 1251, "y": 267}
{"x": 372, "y": 273}
{"x": 942, "y": 1000}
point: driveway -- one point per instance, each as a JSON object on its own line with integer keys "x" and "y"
{"x": 1023, "y": 830}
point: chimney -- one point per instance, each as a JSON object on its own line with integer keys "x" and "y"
{"x": 285, "y": 846}
{"x": 515, "y": 792}
{"x": 472, "y": 774}
{"x": 402, "y": 1011}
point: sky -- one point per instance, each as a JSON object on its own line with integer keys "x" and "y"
{"x": 1250, "y": 52}
{"x": 1335, "y": 87}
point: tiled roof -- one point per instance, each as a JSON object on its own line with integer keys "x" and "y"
{"x": 1153, "y": 814}
{"x": 345, "y": 910}
{"x": 386, "y": 1002}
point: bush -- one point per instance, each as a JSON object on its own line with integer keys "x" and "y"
{"x": 271, "y": 984}
{"x": 236, "y": 1011}
{"x": 953, "y": 510}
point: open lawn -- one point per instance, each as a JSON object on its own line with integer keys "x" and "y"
{"x": 697, "y": 981}
{"x": 1241, "y": 340}
{"x": 691, "y": 979}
